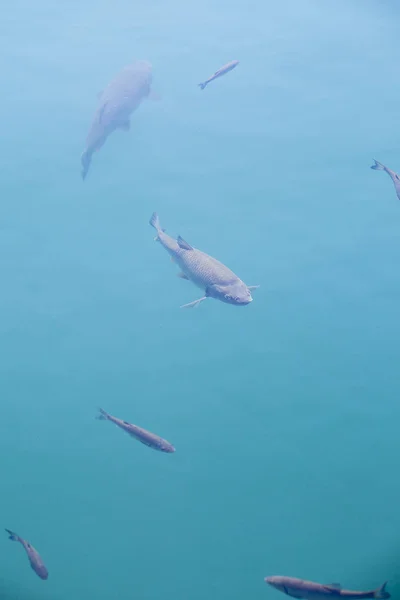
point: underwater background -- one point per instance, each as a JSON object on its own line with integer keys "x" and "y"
{"x": 285, "y": 413}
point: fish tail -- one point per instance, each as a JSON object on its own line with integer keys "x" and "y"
{"x": 202, "y": 85}
{"x": 155, "y": 222}
{"x": 378, "y": 166}
{"x": 381, "y": 592}
{"x": 12, "y": 536}
{"x": 86, "y": 159}
{"x": 103, "y": 416}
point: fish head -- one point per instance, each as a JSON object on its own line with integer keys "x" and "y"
{"x": 236, "y": 293}
{"x": 276, "y": 582}
{"x": 167, "y": 447}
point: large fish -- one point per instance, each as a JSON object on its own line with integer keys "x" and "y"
{"x": 394, "y": 177}
{"x": 145, "y": 437}
{"x": 122, "y": 96}
{"x": 34, "y": 557}
{"x": 222, "y": 71}
{"x": 308, "y": 590}
{"x": 206, "y": 272}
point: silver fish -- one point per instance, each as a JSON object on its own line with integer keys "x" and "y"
{"x": 34, "y": 557}
{"x": 300, "y": 588}
{"x": 119, "y": 99}
{"x": 394, "y": 177}
{"x": 222, "y": 71}
{"x": 142, "y": 435}
{"x": 204, "y": 271}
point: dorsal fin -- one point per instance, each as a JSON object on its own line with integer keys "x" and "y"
{"x": 182, "y": 244}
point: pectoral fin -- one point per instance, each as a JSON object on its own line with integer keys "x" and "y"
{"x": 183, "y": 276}
{"x": 253, "y": 287}
{"x": 182, "y": 244}
{"x": 101, "y": 113}
{"x": 333, "y": 588}
{"x": 194, "y": 304}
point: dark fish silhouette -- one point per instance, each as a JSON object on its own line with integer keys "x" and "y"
{"x": 222, "y": 71}
{"x": 213, "y": 277}
{"x": 142, "y": 435}
{"x": 308, "y": 590}
{"x": 34, "y": 557}
{"x": 393, "y": 176}
{"x": 120, "y": 98}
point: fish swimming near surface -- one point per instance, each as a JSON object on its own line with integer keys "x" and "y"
{"x": 300, "y": 588}
{"x": 145, "y": 437}
{"x": 120, "y": 98}
{"x": 34, "y": 557}
{"x": 394, "y": 177}
{"x": 207, "y": 273}
{"x": 222, "y": 71}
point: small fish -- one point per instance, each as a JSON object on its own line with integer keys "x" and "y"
{"x": 145, "y": 437}
{"x": 394, "y": 177}
{"x": 222, "y": 71}
{"x": 300, "y": 588}
{"x": 204, "y": 271}
{"x": 33, "y": 555}
{"x": 120, "y": 98}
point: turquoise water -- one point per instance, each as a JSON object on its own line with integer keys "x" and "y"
{"x": 284, "y": 413}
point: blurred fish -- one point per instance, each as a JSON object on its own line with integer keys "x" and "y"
{"x": 394, "y": 177}
{"x": 119, "y": 99}
{"x": 33, "y": 555}
{"x": 146, "y": 437}
{"x": 206, "y": 272}
{"x": 222, "y": 71}
{"x": 299, "y": 588}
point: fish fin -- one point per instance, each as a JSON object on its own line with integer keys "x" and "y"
{"x": 101, "y": 113}
{"x": 202, "y": 85}
{"x": 125, "y": 125}
{"x": 337, "y": 586}
{"x": 155, "y": 222}
{"x": 12, "y": 536}
{"x": 381, "y": 592}
{"x": 184, "y": 245}
{"x": 86, "y": 159}
{"x": 253, "y": 287}
{"x": 378, "y": 166}
{"x": 182, "y": 275}
{"x": 102, "y": 416}
{"x": 332, "y": 588}
{"x": 99, "y": 94}
{"x": 291, "y": 594}
{"x": 154, "y": 96}
{"x": 194, "y": 304}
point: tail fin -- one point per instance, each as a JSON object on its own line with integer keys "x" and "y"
{"x": 12, "y": 536}
{"x": 155, "y": 222}
{"x": 202, "y": 85}
{"x": 378, "y": 166}
{"x": 86, "y": 159}
{"x": 103, "y": 416}
{"x": 381, "y": 592}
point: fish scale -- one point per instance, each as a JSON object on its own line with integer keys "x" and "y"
{"x": 206, "y": 272}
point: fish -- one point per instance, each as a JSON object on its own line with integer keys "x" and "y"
{"x": 207, "y": 273}
{"x": 309, "y": 590}
{"x": 222, "y": 71}
{"x": 394, "y": 177}
{"x": 34, "y": 557}
{"x": 119, "y": 99}
{"x": 142, "y": 435}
